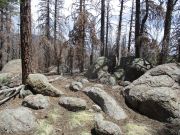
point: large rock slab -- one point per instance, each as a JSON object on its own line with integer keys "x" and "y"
{"x": 156, "y": 93}
{"x": 40, "y": 85}
{"x": 13, "y": 66}
{"x": 36, "y": 102}
{"x": 73, "y": 103}
{"x": 16, "y": 121}
{"x": 103, "y": 127}
{"x": 106, "y": 102}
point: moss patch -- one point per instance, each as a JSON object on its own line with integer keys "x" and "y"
{"x": 45, "y": 127}
{"x": 5, "y": 78}
{"x": 80, "y": 119}
{"x": 137, "y": 129}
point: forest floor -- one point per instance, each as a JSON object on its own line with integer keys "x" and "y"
{"x": 56, "y": 120}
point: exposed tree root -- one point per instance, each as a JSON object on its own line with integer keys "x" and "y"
{"x": 10, "y": 93}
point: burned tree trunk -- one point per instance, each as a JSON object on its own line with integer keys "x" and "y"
{"x": 119, "y": 33}
{"x": 167, "y": 30}
{"x": 130, "y": 30}
{"x": 26, "y": 38}
{"x": 102, "y": 26}
{"x": 137, "y": 29}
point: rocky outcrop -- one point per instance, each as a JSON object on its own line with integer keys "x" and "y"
{"x": 99, "y": 70}
{"x": 36, "y": 102}
{"x": 156, "y": 93}
{"x": 73, "y": 103}
{"x": 40, "y": 85}
{"x": 136, "y": 68}
{"x": 17, "y": 121}
{"x": 106, "y": 102}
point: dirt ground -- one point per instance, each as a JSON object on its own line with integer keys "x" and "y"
{"x": 58, "y": 121}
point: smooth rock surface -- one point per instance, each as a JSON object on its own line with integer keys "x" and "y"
{"x": 36, "y": 102}
{"x": 106, "y": 102}
{"x": 40, "y": 85}
{"x": 73, "y": 103}
{"x": 16, "y": 121}
{"x": 103, "y": 127}
{"x": 156, "y": 93}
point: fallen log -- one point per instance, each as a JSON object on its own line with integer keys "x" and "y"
{"x": 12, "y": 92}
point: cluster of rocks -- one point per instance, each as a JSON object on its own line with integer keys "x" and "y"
{"x": 129, "y": 70}
{"x": 99, "y": 70}
{"x": 155, "y": 94}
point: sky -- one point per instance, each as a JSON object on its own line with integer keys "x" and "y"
{"x": 68, "y": 5}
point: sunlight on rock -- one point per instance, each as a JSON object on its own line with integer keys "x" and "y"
{"x": 85, "y": 133}
{"x": 80, "y": 119}
{"x": 137, "y": 129}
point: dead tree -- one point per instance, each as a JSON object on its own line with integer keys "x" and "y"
{"x": 167, "y": 31}
{"x": 137, "y": 29}
{"x": 131, "y": 25}
{"x": 118, "y": 38}
{"x": 102, "y": 26}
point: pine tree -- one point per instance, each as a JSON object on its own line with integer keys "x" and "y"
{"x": 26, "y": 38}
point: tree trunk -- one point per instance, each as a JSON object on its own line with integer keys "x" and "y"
{"x": 179, "y": 50}
{"x": 26, "y": 38}
{"x": 47, "y": 34}
{"x": 102, "y": 26}
{"x": 107, "y": 31}
{"x": 130, "y": 30}
{"x": 142, "y": 28}
{"x": 82, "y": 35}
{"x": 167, "y": 30}
{"x": 48, "y": 20}
{"x": 8, "y": 31}
{"x": 1, "y": 38}
{"x": 137, "y": 29}
{"x": 119, "y": 34}
{"x": 55, "y": 36}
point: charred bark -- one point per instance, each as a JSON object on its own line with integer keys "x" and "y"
{"x": 26, "y": 38}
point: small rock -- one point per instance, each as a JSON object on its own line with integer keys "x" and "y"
{"x": 103, "y": 127}
{"x": 23, "y": 93}
{"x": 98, "y": 117}
{"x": 112, "y": 80}
{"x": 84, "y": 81}
{"x": 124, "y": 83}
{"x": 119, "y": 74}
{"x": 17, "y": 121}
{"x": 73, "y": 103}
{"x": 96, "y": 108}
{"x": 76, "y": 86}
{"x": 36, "y": 102}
